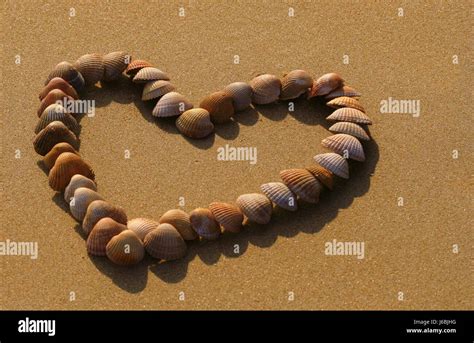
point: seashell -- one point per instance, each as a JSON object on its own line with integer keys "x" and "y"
{"x": 335, "y": 163}
{"x": 78, "y": 181}
{"x": 51, "y": 157}
{"x": 219, "y": 105}
{"x": 266, "y": 89}
{"x": 204, "y": 223}
{"x": 345, "y": 101}
{"x": 80, "y": 201}
{"x": 56, "y": 112}
{"x": 171, "y": 104}
{"x": 351, "y": 115}
{"x": 181, "y": 222}
{"x": 294, "y": 84}
{"x": 345, "y": 145}
{"x": 280, "y": 194}
{"x": 256, "y": 207}
{"x": 156, "y": 89}
{"x": 58, "y": 83}
{"x": 68, "y": 73}
{"x": 55, "y": 96}
{"x": 91, "y": 66}
{"x": 101, "y": 234}
{"x": 99, "y": 209}
{"x": 56, "y": 132}
{"x": 66, "y": 166}
{"x": 195, "y": 123}
{"x": 241, "y": 93}
{"x": 351, "y": 129}
{"x": 135, "y": 66}
{"x": 150, "y": 74}
{"x": 228, "y": 216}
{"x": 142, "y": 226}
{"x": 114, "y": 65}
{"x": 325, "y": 85}
{"x": 322, "y": 174}
{"x": 165, "y": 243}
{"x": 125, "y": 249}
{"x": 302, "y": 183}
{"x": 347, "y": 91}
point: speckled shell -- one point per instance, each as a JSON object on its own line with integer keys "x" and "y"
{"x": 78, "y": 181}
{"x": 294, "y": 84}
{"x": 322, "y": 174}
{"x": 99, "y": 209}
{"x": 335, "y": 163}
{"x": 135, "y": 66}
{"x": 280, "y": 194}
{"x": 91, "y": 66}
{"x": 58, "y": 83}
{"x": 256, "y": 207}
{"x": 50, "y": 158}
{"x": 82, "y": 198}
{"x": 165, "y": 243}
{"x": 204, "y": 223}
{"x": 150, "y": 74}
{"x": 171, "y": 104}
{"x": 56, "y": 132}
{"x": 302, "y": 183}
{"x": 241, "y": 94}
{"x": 101, "y": 235}
{"x": 53, "y": 97}
{"x": 325, "y": 84}
{"x": 347, "y": 91}
{"x": 125, "y": 249}
{"x": 228, "y": 216}
{"x": 66, "y": 166}
{"x": 181, "y": 222}
{"x": 345, "y": 101}
{"x": 350, "y": 115}
{"x": 345, "y": 145}
{"x": 195, "y": 123}
{"x": 56, "y": 112}
{"x": 142, "y": 226}
{"x": 114, "y": 65}
{"x": 351, "y": 129}
{"x": 219, "y": 105}
{"x": 266, "y": 89}
{"x": 68, "y": 73}
{"x": 156, "y": 89}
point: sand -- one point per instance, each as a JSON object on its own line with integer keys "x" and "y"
{"x": 283, "y": 265}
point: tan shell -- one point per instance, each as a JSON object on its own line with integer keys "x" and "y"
{"x": 280, "y": 194}
{"x": 101, "y": 234}
{"x": 351, "y": 129}
{"x": 195, "y": 123}
{"x": 125, "y": 249}
{"x": 343, "y": 91}
{"x": 335, "y": 163}
{"x": 142, "y": 226}
{"x": 114, "y": 65}
{"x": 294, "y": 84}
{"x": 351, "y": 115}
{"x": 135, "y": 66}
{"x": 156, "y": 89}
{"x": 99, "y": 209}
{"x": 50, "y": 158}
{"x": 171, "y": 104}
{"x": 56, "y": 112}
{"x": 228, "y": 216}
{"x": 58, "y": 83}
{"x": 91, "y": 67}
{"x": 322, "y": 174}
{"x": 66, "y": 166}
{"x": 165, "y": 243}
{"x": 302, "y": 183}
{"x": 345, "y": 145}
{"x": 68, "y": 73}
{"x": 256, "y": 207}
{"x": 181, "y": 222}
{"x": 78, "y": 181}
{"x": 345, "y": 101}
{"x": 53, "y": 97}
{"x": 325, "y": 84}
{"x": 266, "y": 89}
{"x": 150, "y": 74}
{"x": 241, "y": 94}
{"x": 204, "y": 223}
{"x": 219, "y": 105}
{"x": 56, "y": 132}
{"x": 82, "y": 198}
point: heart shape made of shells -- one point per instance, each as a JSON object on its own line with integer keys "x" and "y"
{"x": 109, "y": 231}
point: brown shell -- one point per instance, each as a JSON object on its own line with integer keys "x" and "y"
{"x": 280, "y": 194}
{"x": 204, "y": 223}
{"x": 345, "y": 145}
{"x": 135, "y": 66}
{"x": 66, "y": 166}
{"x": 181, "y": 222}
{"x": 171, "y": 104}
{"x": 325, "y": 84}
{"x": 91, "y": 66}
{"x": 125, "y": 249}
{"x": 343, "y": 91}
{"x": 256, "y": 207}
{"x": 99, "y": 209}
{"x": 56, "y": 132}
{"x": 101, "y": 234}
{"x": 302, "y": 183}
{"x": 351, "y": 129}
{"x": 335, "y": 163}
{"x": 156, "y": 89}
{"x": 165, "y": 243}
{"x": 294, "y": 84}
{"x": 50, "y": 158}
{"x": 114, "y": 65}
{"x": 78, "y": 181}
{"x": 82, "y": 198}
{"x": 350, "y": 115}
{"x": 195, "y": 123}
{"x": 266, "y": 89}
{"x": 56, "y": 112}
{"x": 241, "y": 94}
{"x": 219, "y": 105}
{"x": 58, "y": 83}
{"x": 150, "y": 74}
{"x": 142, "y": 226}
{"x": 345, "y": 101}
{"x": 54, "y": 96}
{"x": 322, "y": 174}
{"x": 68, "y": 73}
{"x": 228, "y": 216}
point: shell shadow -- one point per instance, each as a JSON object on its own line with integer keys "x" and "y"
{"x": 229, "y": 130}
{"x": 247, "y": 117}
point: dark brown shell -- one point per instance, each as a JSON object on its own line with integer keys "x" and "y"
{"x": 66, "y": 166}
{"x": 99, "y": 209}
{"x": 302, "y": 183}
{"x": 68, "y": 73}
{"x": 91, "y": 66}
{"x": 195, "y": 123}
{"x": 135, "y": 66}
{"x": 114, "y": 65}
{"x": 165, "y": 243}
{"x": 56, "y": 112}
{"x": 51, "y": 157}
{"x": 227, "y": 215}
{"x": 58, "y": 83}
{"x": 322, "y": 174}
{"x": 56, "y": 132}
{"x": 101, "y": 235}
{"x": 325, "y": 85}
{"x": 53, "y": 97}
{"x": 219, "y": 105}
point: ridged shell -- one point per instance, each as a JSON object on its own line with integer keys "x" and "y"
{"x": 181, "y": 222}
{"x": 280, "y": 194}
{"x": 91, "y": 67}
{"x": 325, "y": 84}
{"x": 302, "y": 183}
{"x": 228, "y": 216}
{"x": 78, "y": 181}
{"x": 204, "y": 223}
{"x": 266, "y": 89}
{"x": 171, "y": 104}
{"x": 101, "y": 235}
{"x": 345, "y": 101}
{"x": 135, "y": 66}
{"x": 82, "y": 198}
{"x": 294, "y": 84}
{"x": 66, "y": 166}
{"x": 347, "y": 91}
{"x": 125, "y": 249}
{"x": 99, "y": 209}
{"x": 56, "y": 112}
{"x": 195, "y": 123}
{"x": 335, "y": 163}
{"x": 351, "y": 115}
{"x": 351, "y": 129}
{"x": 322, "y": 174}
{"x": 219, "y": 105}
{"x": 51, "y": 157}
{"x": 53, "y": 97}
{"x": 345, "y": 145}
{"x": 56, "y": 132}
{"x": 241, "y": 93}
{"x": 150, "y": 74}
{"x": 114, "y": 65}
{"x": 256, "y": 207}
{"x": 68, "y": 73}
{"x": 142, "y": 226}
{"x": 58, "y": 83}
{"x": 156, "y": 89}
{"x": 165, "y": 243}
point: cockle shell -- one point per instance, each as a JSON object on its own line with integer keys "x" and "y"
{"x": 219, "y": 105}
{"x": 345, "y": 145}
{"x": 280, "y": 194}
{"x": 101, "y": 234}
{"x": 68, "y": 73}
{"x": 142, "y": 226}
{"x": 347, "y": 91}
{"x": 335, "y": 163}
{"x": 204, "y": 223}
{"x": 135, "y": 66}
{"x": 351, "y": 115}
{"x": 114, "y": 65}
{"x": 56, "y": 112}
{"x": 228, "y": 216}
{"x": 256, "y": 207}
{"x": 125, "y": 249}
{"x": 266, "y": 89}
{"x": 91, "y": 66}
{"x": 322, "y": 174}
{"x": 56, "y": 132}
{"x": 58, "y": 83}
{"x": 150, "y": 74}
{"x": 294, "y": 84}
{"x": 80, "y": 201}
{"x": 345, "y": 101}
{"x": 351, "y": 129}
{"x": 165, "y": 243}
{"x": 195, "y": 123}
{"x": 66, "y": 166}
{"x": 181, "y": 222}
{"x": 325, "y": 84}
{"x": 156, "y": 89}
{"x": 99, "y": 209}
{"x": 78, "y": 181}
{"x": 241, "y": 94}
{"x": 54, "y": 96}
{"x": 51, "y": 157}
{"x": 302, "y": 183}
{"x": 171, "y": 104}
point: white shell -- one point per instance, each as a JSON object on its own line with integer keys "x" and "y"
{"x": 335, "y": 163}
